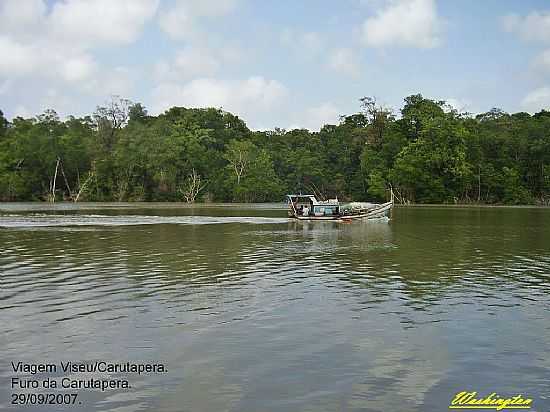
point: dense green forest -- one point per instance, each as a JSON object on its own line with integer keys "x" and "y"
{"x": 428, "y": 153}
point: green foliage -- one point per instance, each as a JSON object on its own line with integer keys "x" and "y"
{"x": 514, "y": 191}
{"x": 260, "y": 184}
{"x": 377, "y": 185}
{"x": 431, "y": 154}
{"x": 3, "y": 125}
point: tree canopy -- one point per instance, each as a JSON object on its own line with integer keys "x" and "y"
{"x": 427, "y": 152}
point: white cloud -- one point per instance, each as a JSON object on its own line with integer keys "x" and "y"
{"x": 404, "y": 23}
{"x": 78, "y": 68}
{"x": 118, "y": 81}
{"x": 177, "y": 23}
{"x": 243, "y": 97}
{"x": 316, "y": 117}
{"x": 23, "y": 60}
{"x": 77, "y": 24}
{"x": 21, "y": 17}
{"x": 17, "y": 59}
{"x": 56, "y": 99}
{"x": 210, "y": 8}
{"x": 188, "y": 63}
{"x": 303, "y": 43}
{"x": 91, "y": 23}
{"x": 460, "y": 105}
{"x": 537, "y": 100}
{"x": 57, "y": 44}
{"x": 180, "y": 21}
{"x": 533, "y": 27}
{"x": 344, "y": 61}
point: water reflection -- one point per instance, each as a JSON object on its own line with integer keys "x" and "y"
{"x": 255, "y": 312}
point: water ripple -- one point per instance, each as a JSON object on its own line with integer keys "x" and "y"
{"x": 325, "y": 316}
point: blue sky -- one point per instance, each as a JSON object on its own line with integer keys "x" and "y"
{"x": 275, "y": 63}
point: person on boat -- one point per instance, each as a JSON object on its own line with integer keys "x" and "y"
{"x": 305, "y": 211}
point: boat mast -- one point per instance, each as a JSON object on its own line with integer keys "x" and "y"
{"x": 391, "y": 200}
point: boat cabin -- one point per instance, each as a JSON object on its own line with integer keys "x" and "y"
{"x": 308, "y": 205}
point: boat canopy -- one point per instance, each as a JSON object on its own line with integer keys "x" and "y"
{"x": 312, "y": 199}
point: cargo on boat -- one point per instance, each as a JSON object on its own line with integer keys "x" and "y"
{"x": 308, "y": 207}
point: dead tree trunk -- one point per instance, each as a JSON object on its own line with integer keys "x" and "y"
{"x": 82, "y": 188}
{"x": 66, "y": 182}
{"x": 479, "y": 184}
{"x": 51, "y": 194}
{"x": 193, "y": 186}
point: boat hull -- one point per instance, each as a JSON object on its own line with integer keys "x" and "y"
{"x": 377, "y": 212}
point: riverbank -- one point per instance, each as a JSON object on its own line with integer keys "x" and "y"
{"x": 242, "y": 205}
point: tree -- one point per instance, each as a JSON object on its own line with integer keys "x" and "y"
{"x": 137, "y": 113}
{"x": 378, "y": 119}
{"x": 417, "y": 112}
{"x": 260, "y": 184}
{"x": 3, "y": 125}
{"x": 433, "y": 167}
{"x": 111, "y": 118}
{"x": 429, "y": 154}
{"x": 239, "y": 154}
{"x": 192, "y": 186}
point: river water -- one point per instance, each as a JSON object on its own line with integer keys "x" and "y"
{"x": 250, "y": 311}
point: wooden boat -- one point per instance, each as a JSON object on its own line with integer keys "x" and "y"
{"x": 308, "y": 207}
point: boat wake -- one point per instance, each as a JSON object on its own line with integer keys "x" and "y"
{"x": 48, "y": 220}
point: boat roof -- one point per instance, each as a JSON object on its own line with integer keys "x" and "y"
{"x": 314, "y": 201}
{"x": 308, "y": 197}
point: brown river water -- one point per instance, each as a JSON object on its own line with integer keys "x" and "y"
{"x": 250, "y": 311}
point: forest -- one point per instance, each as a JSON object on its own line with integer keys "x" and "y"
{"x": 427, "y": 152}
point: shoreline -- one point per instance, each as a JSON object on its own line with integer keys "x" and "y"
{"x": 275, "y": 205}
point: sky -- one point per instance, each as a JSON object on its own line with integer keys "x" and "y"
{"x": 275, "y": 63}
